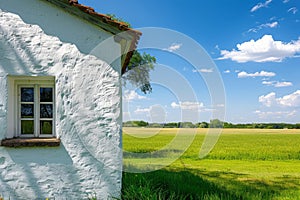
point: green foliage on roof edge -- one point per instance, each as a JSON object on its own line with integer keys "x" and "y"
{"x": 138, "y": 70}
{"x": 118, "y": 19}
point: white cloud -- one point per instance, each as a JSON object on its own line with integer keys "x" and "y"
{"x": 261, "y": 5}
{"x": 130, "y": 95}
{"x": 142, "y": 111}
{"x": 268, "y": 83}
{"x": 174, "y": 47}
{"x": 291, "y": 100}
{"x": 266, "y": 25}
{"x": 268, "y": 100}
{"x": 275, "y": 114}
{"x": 262, "y": 50}
{"x": 271, "y": 25}
{"x": 244, "y": 74}
{"x": 294, "y": 10}
{"x": 187, "y": 105}
{"x": 210, "y": 70}
{"x": 227, "y": 71}
{"x": 277, "y": 83}
{"x": 286, "y": 1}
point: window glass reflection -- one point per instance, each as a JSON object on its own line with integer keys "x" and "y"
{"x": 46, "y": 110}
{"x": 27, "y": 94}
{"x": 27, "y": 110}
{"x": 46, "y": 95}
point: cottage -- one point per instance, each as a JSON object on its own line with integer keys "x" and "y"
{"x": 60, "y": 100}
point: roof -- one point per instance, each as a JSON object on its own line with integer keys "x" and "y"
{"x": 107, "y": 23}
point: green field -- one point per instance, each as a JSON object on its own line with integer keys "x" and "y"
{"x": 244, "y": 164}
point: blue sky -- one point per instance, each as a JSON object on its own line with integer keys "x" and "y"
{"x": 255, "y": 46}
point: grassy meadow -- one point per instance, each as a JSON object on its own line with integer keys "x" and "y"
{"x": 244, "y": 164}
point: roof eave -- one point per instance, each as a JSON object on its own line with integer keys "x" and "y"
{"x": 105, "y": 22}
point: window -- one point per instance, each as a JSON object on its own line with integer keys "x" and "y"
{"x": 31, "y": 112}
{"x": 31, "y": 107}
{"x": 35, "y": 110}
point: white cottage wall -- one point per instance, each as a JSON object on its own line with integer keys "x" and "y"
{"x": 88, "y": 103}
{"x": 63, "y": 25}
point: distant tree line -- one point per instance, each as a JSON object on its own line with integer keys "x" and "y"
{"x": 215, "y": 123}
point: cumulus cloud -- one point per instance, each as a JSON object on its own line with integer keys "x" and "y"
{"x": 261, "y": 5}
{"x": 244, "y": 74}
{"x": 130, "y": 95}
{"x": 204, "y": 70}
{"x": 227, "y": 71}
{"x": 262, "y": 50}
{"x": 291, "y": 100}
{"x": 187, "y": 105}
{"x": 174, "y": 47}
{"x": 268, "y": 100}
{"x": 293, "y": 10}
{"x": 286, "y": 1}
{"x": 277, "y": 83}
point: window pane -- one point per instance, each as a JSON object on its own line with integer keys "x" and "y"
{"x": 46, "y": 127}
{"x": 46, "y": 95}
{"x": 27, "y": 94}
{"x": 27, "y": 127}
{"x": 46, "y": 111}
{"x": 27, "y": 111}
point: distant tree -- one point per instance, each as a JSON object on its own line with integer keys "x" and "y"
{"x": 203, "y": 125}
{"x": 186, "y": 125}
{"x": 171, "y": 125}
{"x": 127, "y": 124}
{"x": 135, "y": 124}
{"x": 155, "y": 125}
{"x": 141, "y": 123}
{"x": 216, "y": 123}
{"x": 228, "y": 125}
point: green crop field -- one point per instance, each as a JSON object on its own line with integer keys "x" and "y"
{"x": 244, "y": 164}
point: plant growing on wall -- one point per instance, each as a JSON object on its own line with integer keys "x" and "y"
{"x": 115, "y": 18}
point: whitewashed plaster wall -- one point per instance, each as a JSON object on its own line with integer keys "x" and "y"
{"x": 36, "y": 39}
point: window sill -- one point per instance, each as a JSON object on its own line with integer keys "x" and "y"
{"x": 30, "y": 142}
